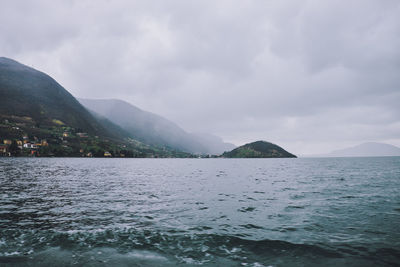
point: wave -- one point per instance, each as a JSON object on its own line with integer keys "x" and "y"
{"x": 182, "y": 247}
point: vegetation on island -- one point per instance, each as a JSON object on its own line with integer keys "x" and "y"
{"x": 258, "y": 149}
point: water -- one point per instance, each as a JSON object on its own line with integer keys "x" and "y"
{"x": 210, "y": 212}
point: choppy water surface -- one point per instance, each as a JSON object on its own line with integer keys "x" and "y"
{"x": 211, "y": 212}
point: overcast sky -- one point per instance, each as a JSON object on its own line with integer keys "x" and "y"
{"x": 311, "y": 76}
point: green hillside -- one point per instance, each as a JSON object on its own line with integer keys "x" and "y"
{"x": 258, "y": 149}
{"x": 33, "y": 94}
{"x": 39, "y": 117}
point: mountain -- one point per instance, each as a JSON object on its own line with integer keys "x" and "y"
{"x": 28, "y": 92}
{"x": 39, "y": 117}
{"x": 153, "y": 129}
{"x": 258, "y": 149}
{"x": 371, "y": 149}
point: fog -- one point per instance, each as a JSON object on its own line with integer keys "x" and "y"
{"x": 311, "y": 76}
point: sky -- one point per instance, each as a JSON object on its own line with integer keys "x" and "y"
{"x": 311, "y": 76}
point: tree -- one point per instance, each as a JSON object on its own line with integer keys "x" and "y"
{"x": 14, "y": 149}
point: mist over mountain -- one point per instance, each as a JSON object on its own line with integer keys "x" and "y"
{"x": 153, "y": 129}
{"x": 39, "y": 117}
{"x": 35, "y": 105}
{"x": 370, "y": 149}
{"x": 213, "y": 143}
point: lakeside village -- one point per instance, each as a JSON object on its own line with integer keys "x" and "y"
{"x": 21, "y": 136}
{"x": 36, "y": 147}
{"x": 58, "y": 140}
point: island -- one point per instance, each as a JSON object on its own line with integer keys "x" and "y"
{"x": 258, "y": 149}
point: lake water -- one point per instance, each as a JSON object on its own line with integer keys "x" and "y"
{"x": 210, "y": 212}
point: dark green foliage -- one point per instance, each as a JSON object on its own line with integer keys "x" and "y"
{"x": 258, "y": 149}
{"x": 13, "y": 148}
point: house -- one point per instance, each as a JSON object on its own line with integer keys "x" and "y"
{"x": 82, "y": 135}
{"x": 65, "y": 134}
{"x": 30, "y": 146}
{"x": 44, "y": 142}
{"x": 19, "y": 143}
{"x": 3, "y": 149}
{"x": 107, "y": 154}
{"x": 7, "y": 141}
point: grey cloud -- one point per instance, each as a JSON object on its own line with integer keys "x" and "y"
{"x": 31, "y": 26}
{"x": 300, "y": 73}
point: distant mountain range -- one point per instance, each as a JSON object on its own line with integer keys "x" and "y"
{"x": 258, "y": 149}
{"x": 153, "y": 129}
{"x": 370, "y": 149}
{"x": 35, "y": 109}
{"x": 39, "y": 117}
